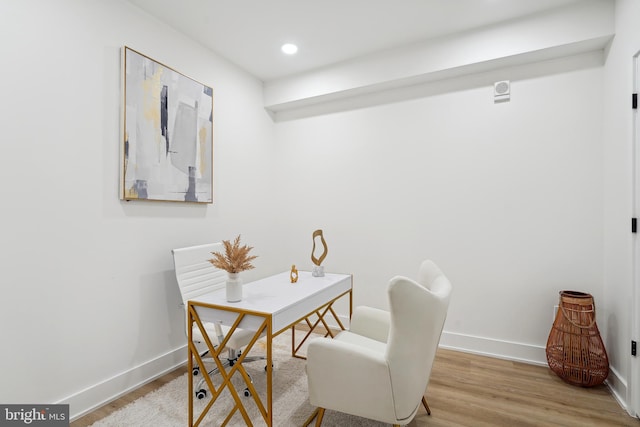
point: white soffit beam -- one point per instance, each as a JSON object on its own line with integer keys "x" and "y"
{"x": 582, "y": 27}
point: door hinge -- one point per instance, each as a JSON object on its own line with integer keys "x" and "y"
{"x": 634, "y": 225}
{"x": 633, "y": 348}
{"x": 634, "y": 101}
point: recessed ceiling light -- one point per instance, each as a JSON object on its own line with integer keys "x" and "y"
{"x": 289, "y": 48}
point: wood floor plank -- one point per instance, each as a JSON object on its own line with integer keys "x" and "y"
{"x": 478, "y": 391}
{"x": 472, "y": 390}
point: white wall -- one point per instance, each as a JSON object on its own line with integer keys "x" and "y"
{"x": 89, "y": 301}
{"x": 506, "y": 198}
{"x": 618, "y": 159}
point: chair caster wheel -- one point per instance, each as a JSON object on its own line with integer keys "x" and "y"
{"x": 201, "y": 394}
{"x": 247, "y": 393}
{"x": 195, "y": 372}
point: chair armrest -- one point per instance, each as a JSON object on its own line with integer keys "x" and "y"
{"x": 371, "y": 322}
{"x": 347, "y": 377}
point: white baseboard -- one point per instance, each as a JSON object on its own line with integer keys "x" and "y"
{"x": 509, "y": 350}
{"x": 618, "y": 387}
{"x": 95, "y": 396}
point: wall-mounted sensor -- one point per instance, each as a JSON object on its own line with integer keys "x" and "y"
{"x": 501, "y": 91}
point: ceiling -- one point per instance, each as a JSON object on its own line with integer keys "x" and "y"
{"x": 249, "y": 33}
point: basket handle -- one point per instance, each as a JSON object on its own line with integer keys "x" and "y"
{"x": 566, "y": 316}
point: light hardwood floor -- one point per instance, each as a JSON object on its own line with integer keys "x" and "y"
{"x": 471, "y": 390}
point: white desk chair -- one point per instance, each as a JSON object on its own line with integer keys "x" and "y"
{"x": 197, "y": 276}
{"x": 380, "y": 368}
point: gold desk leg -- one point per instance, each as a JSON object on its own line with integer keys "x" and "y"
{"x": 267, "y": 414}
{"x": 320, "y": 312}
{"x": 269, "y": 419}
{"x": 190, "y": 367}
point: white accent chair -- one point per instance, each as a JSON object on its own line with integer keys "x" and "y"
{"x": 380, "y": 368}
{"x": 197, "y": 276}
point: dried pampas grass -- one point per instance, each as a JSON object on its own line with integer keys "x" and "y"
{"x": 235, "y": 259}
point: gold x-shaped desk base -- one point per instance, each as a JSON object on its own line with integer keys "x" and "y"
{"x": 265, "y": 329}
{"x": 321, "y": 312}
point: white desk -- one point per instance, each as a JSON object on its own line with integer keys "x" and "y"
{"x": 269, "y": 307}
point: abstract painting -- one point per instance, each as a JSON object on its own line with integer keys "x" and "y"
{"x": 167, "y": 151}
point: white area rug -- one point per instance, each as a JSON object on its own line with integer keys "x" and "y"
{"x": 168, "y": 406}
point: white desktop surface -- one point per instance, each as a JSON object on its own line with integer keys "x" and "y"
{"x": 286, "y": 302}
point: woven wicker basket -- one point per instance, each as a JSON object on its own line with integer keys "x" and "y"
{"x": 575, "y": 351}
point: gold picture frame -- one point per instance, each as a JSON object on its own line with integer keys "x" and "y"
{"x": 167, "y": 140}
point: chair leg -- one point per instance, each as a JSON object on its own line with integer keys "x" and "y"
{"x": 318, "y": 414}
{"x": 424, "y": 403}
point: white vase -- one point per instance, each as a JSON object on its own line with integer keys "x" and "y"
{"x": 234, "y": 287}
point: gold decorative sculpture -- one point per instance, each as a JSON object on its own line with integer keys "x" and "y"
{"x": 318, "y": 270}
{"x": 294, "y": 274}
